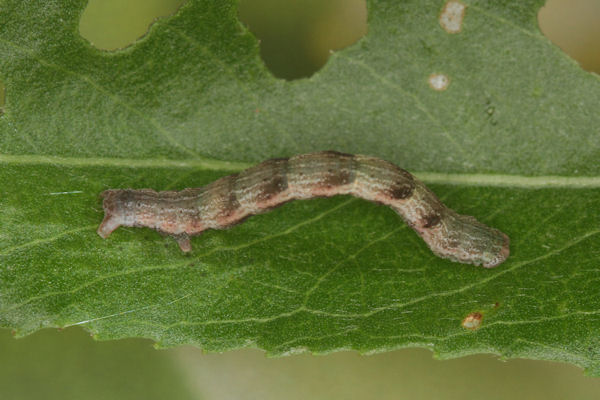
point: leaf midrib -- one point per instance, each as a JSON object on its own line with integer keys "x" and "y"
{"x": 465, "y": 179}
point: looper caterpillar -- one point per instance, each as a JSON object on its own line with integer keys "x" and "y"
{"x": 231, "y": 199}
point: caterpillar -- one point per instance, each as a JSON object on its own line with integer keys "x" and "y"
{"x": 231, "y": 199}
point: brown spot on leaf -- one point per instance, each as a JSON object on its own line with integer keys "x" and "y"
{"x": 472, "y": 321}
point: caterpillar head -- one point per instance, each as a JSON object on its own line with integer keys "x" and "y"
{"x": 119, "y": 209}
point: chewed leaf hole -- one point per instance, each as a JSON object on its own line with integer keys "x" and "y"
{"x": 573, "y": 26}
{"x": 116, "y": 24}
{"x": 296, "y": 38}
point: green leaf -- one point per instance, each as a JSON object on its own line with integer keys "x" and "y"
{"x": 514, "y": 141}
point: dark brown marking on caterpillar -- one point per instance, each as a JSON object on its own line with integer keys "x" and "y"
{"x": 400, "y": 192}
{"x": 432, "y": 220}
{"x": 231, "y": 199}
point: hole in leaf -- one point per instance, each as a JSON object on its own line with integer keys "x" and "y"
{"x": 573, "y": 26}
{"x": 296, "y": 36}
{"x": 115, "y": 24}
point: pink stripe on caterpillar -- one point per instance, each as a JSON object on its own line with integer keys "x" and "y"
{"x": 231, "y": 199}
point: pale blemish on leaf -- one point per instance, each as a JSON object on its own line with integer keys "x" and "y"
{"x": 452, "y": 15}
{"x": 472, "y": 321}
{"x": 439, "y": 82}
